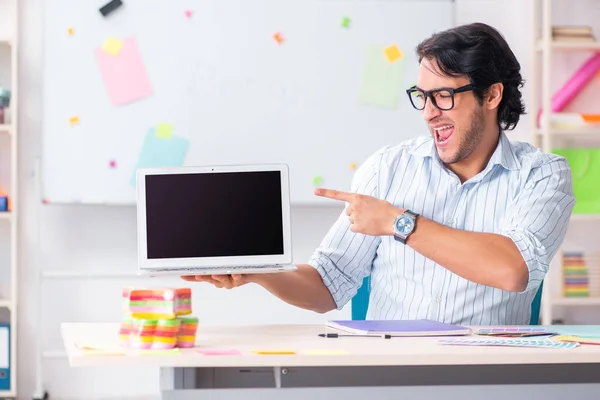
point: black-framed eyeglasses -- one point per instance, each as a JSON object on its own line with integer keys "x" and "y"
{"x": 442, "y": 98}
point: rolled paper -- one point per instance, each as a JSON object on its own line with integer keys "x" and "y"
{"x": 186, "y": 337}
{"x": 160, "y": 303}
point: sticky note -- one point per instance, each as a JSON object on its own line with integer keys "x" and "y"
{"x": 164, "y": 131}
{"x": 112, "y": 46}
{"x": 70, "y": 31}
{"x": 159, "y": 152}
{"x": 110, "y": 7}
{"x": 345, "y": 22}
{"x": 278, "y": 37}
{"x": 124, "y": 75}
{"x": 392, "y": 53}
{"x": 159, "y": 352}
{"x": 382, "y": 81}
{"x": 317, "y": 181}
{"x": 326, "y": 352}
{"x": 352, "y": 166}
{"x": 103, "y": 349}
{"x": 112, "y": 163}
{"x": 220, "y": 352}
{"x": 274, "y": 351}
{"x": 74, "y": 120}
{"x": 188, "y": 13}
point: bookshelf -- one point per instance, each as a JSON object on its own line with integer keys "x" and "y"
{"x": 8, "y": 182}
{"x": 548, "y": 137}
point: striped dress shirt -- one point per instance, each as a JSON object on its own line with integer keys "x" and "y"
{"x": 522, "y": 193}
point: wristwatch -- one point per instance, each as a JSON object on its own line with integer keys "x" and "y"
{"x": 404, "y": 225}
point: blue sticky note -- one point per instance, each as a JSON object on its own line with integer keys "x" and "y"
{"x": 158, "y": 151}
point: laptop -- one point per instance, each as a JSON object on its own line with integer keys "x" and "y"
{"x": 214, "y": 220}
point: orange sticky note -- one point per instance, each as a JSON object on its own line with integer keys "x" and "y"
{"x": 393, "y": 53}
{"x": 74, "y": 120}
{"x": 112, "y": 46}
{"x": 278, "y": 37}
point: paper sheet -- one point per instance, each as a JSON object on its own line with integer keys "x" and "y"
{"x": 382, "y": 81}
{"x": 160, "y": 152}
{"x": 124, "y": 74}
{"x": 220, "y": 352}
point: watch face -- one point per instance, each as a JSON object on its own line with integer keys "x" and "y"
{"x": 404, "y": 225}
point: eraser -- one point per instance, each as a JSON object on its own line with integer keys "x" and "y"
{"x": 110, "y": 7}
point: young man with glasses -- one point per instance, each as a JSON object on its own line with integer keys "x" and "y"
{"x": 459, "y": 226}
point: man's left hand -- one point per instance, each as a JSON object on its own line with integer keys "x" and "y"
{"x": 368, "y": 215}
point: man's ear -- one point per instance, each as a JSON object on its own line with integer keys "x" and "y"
{"x": 494, "y": 96}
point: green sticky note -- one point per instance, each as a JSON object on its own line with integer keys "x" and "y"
{"x": 164, "y": 131}
{"x": 346, "y": 22}
{"x": 317, "y": 181}
{"x": 382, "y": 80}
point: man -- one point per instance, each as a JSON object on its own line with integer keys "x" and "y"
{"x": 458, "y": 227}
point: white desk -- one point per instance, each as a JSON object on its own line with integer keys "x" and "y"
{"x": 370, "y": 362}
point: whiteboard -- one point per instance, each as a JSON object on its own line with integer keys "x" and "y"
{"x": 219, "y": 82}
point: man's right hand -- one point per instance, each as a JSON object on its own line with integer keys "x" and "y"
{"x": 220, "y": 281}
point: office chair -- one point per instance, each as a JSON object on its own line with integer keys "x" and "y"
{"x": 360, "y": 302}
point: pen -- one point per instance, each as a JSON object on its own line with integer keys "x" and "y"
{"x": 337, "y": 335}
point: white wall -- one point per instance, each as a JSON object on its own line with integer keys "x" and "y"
{"x": 101, "y": 239}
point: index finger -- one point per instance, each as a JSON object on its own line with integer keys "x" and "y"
{"x": 334, "y": 194}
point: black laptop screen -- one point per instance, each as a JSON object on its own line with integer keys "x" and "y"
{"x": 214, "y": 214}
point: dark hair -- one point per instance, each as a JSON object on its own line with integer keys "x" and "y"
{"x": 480, "y": 53}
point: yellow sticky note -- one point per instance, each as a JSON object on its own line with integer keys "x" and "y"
{"x": 274, "y": 351}
{"x": 70, "y": 31}
{"x": 326, "y": 352}
{"x": 164, "y": 131}
{"x": 353, "y": 166}
{"x": 112, "y": 46}
{"x": 74, "y": 120}
{"x": 393, "y": 53}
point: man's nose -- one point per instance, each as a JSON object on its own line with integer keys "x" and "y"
{"x": 430, "y": 111}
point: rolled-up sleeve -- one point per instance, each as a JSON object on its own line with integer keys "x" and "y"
{"x": 538, "y": 220}
{"x": 344, "y": 258}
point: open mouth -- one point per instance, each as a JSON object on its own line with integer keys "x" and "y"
{"x": 443, "y": 134}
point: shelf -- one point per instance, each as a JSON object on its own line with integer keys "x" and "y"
{"x": 5, "y": 215}
{"x": 7, "y": 393}
{"x": 591, "y": 46}
{"x": 5, "y": 128}
{"x": 5, "y": 303}
{"x": 576, "y": 301}
{"x": 5, "y": 41}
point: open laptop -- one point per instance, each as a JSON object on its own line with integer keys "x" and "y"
{"x": 214, "y": 220}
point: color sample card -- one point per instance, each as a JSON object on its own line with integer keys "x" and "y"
{"x": 382, "y": 80}
{"x": 124, "y": 74}
{"x": 543, "y": 343}
{"x": 274, "y": 351}
{"x": 160, "y": 152}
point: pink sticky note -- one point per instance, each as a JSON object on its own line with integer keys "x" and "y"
{"x": 220, "y": 352}
{"x": 188, "y": 13}
{"x": 124, "y": 74}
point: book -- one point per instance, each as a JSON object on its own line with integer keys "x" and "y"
{"x": 420, "y": 327}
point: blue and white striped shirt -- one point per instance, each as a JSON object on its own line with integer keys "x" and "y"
{"x": 522, "y": 193}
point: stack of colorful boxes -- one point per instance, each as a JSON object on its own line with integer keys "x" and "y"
{"x": 158, "y": 318}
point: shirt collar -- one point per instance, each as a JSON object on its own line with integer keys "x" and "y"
{"x": 503, "y": 155}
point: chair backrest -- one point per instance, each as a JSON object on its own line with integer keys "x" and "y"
{"x": 360, "y": 302}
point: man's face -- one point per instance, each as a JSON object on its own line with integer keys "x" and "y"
{"x": 456, "y": 132}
